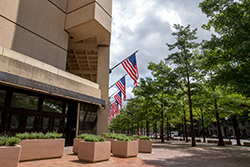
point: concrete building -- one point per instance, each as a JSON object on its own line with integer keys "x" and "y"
{"x": 54, "y": 66}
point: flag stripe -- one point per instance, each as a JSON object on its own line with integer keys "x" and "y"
{"x": 121, "y": 85}
{"x": 130, "y": 65}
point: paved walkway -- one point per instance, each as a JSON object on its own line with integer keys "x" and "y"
{"x": 168, "y": 154}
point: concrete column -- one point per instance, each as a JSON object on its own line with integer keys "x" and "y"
{"x": 103, "y": 81}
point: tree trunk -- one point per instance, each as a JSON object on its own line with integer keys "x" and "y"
{"x": 185, "y": 123}
{"x": 167, "y": 130}
{"x": 162, "y": 121}
{"x": 138, "y": 127}
{"x": 236, "y": 129}
{"x": 170, "y": 130}
{"x": 221, "y": 142}
{"x": 155, "y": 129}
{"x": 147, "y": 126}
{"x": 191, "y": 119}
{"x": 203, "y": 129}
{"x": 183, "y": 129}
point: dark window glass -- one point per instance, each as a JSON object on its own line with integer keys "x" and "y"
{"x": 30, "y": 123}
{"x": 24, "y": 101}
{"x": 14, "y": 122}
{"x": 2, "y": 97}
{"x": 1, "y": 113}
{"x": 65, "y": 122}
{"x": 91, "y": 113}
{"x": 87, "y": 116}
{"x": 56, "y": 124}
{"x": 45, "y": 123}
{"x": 52, "y": 106}
{"x": 67, "y": 108}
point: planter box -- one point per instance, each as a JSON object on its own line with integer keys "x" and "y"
{"x": 246, "y": 143}
{"x": 228, "y": 142}
{"x": 10, "y": 156}
{"x": 111, "y": 140}
{"x": 213, "y": 141}
{"x": 145, "y": 146}
{"x": 125, "y": 148}
{"x": 76, "y": 145}
{"x": 94, "y": 151}
{"x": 41, "y": 149}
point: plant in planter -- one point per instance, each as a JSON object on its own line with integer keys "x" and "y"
{"x": 9, "y": 151}
{"x": 77, "y": 140}
{"x": 125, "y": 146}
{"x": 50, "y": 145}
{"x": 135, "y": 136}
{"x": 93, "y": 149}
{"x": 110, "y": 137}
{"x": 145, "y": 144}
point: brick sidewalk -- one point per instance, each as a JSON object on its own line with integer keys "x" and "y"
{"x": 168, "y": 154}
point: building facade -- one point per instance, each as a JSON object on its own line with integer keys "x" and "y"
{"x": 54, "y": 66}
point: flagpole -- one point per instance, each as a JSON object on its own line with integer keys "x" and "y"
{"x": 117, "y": 81}
{"x": 121, "y": 62}
{"x": 114, "y": 93}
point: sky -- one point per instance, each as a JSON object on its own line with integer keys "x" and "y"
{"x": 146, "y": 26}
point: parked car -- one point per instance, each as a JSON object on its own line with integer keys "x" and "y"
{"x": 232, "y": 137}
{"x": 214, "y": 136}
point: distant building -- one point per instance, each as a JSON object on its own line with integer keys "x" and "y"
{"x": 54, "y": 66}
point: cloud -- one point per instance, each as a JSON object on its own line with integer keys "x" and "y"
{"x": 147, "y": 26}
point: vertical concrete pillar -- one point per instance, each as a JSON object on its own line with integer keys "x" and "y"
{"x": 103, "y": 81}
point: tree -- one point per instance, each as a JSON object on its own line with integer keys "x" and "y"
{"x": 185, "y": 75}
{"x": 231, "y": 47}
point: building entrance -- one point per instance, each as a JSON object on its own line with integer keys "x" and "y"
{"x": 26, "y": 111}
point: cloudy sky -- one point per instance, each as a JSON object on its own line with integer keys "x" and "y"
{"x": 146, "y": 25}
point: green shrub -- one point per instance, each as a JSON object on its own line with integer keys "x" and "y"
{"x": 35, "y": 135}
{"x": 94, "y": 138}
{"x": 23, "y": 136}
{"x": 82, "y": 136}
{"x": 135, "y": 136}
{"x": 124, "y": 138}
{"x": 12, "y": 141}
{"x": 3, "y": 140}
{"x": 144, "y": 138}
{"x": 50, "y": 135}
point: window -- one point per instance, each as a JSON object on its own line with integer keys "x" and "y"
{"x": 56, "y": 124}
{"x": 45, "y": 123}
{"x": 30, "y": 123}
{"x": 2, "y": 97}
{"x": 24, "y": 101}
{"x": 52, "y": 106}
{"x": 1, "y": 113}
{"x": 67, "y": 108}
{"x": 87, "y": 116}
{"x": 14, "y": 121}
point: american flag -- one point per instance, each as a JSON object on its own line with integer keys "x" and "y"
{"x": 111, "y": 116}
{"x": 130, "y": 65}
{"x": 121, "y": 85}
{"x": 118, "y": 98}
{"x": 114, "y": 108}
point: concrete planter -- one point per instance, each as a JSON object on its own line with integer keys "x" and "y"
{"x": 198, "y": 140}
{"x": 213, "y": 141}
{"x": 94, "y": 151}
{"x": 228, "y": 142}
{"x": 35, "y": 149}
{"x": 145, "y": 146}
{"x": 76, "y": 145}
{"x": 10, "y": 155}
{"x": 246, "y": 143}
{"x": 125, "y": 148}
{"x": 111, "y": 140}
